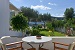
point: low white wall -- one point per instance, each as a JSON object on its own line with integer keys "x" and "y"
{"x": 60, "y": 29}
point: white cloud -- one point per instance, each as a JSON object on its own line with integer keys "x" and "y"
{"x": 57, "y": 15}
{"x": 40, "y": 7}
{"x": 52, "y": 4}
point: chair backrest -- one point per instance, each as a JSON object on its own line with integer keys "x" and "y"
{"x": 8, "y": 39}
{"x": 2, "y": 45}
{"x": 11, "y": 43}
{"x": 71, "y": 46}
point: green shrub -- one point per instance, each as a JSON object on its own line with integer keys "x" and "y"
{"x": 39, "y": 26}
{"x": 49, "y": 25}
{"x": 44, "y": 29}
{"x": 35, "y": 32}
{"x": 19, "y": 22}
{"x": 34, "y": 27}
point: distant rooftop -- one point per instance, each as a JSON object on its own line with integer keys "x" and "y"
{"x": 12, "y": 7}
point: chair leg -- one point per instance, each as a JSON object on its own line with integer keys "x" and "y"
{"x": 22, "y": 48}
{"x": 54, "y": 46}
{"x": 42, "y": 49}
{"x": 31, "y": 49}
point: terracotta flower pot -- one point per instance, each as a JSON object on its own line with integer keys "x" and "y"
{"x": 38, "y": 37}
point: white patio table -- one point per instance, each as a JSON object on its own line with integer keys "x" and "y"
{"x": 33, "y": 39}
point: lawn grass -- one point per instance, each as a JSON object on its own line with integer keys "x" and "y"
{"x": 59, "y": 34}
{"x": 50, "y": 33}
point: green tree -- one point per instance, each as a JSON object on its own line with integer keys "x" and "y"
{"x": 29, "y": 13}
{"x": 19, "y": 23}
{"x": 50, "y": 27}
{"x": 40, "y": 17}
{"x": 44, "y": 17}
{"x": 69, "y": 23}
{"x": 69, "y": 13}
{"x": 35, "y": 32}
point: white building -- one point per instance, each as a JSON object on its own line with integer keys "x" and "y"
{"x": 5, "y": 8}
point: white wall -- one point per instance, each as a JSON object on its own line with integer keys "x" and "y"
{"x": 16, "y": 12}
{"x": 4, "y": 19}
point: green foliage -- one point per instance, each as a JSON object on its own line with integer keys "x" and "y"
{"x": 34, "y": 27}
{"x": 73, "y": 26}
{"x": 34, "y": 15}
{"x": 46, "y": 33}
{"x": 69, "y": 13}
{"x": 42, "y": 29}
{"x": 70, "y": 23}
{"x": 58, "y": 23}
{"x": 19, "y": 22}
{"x": 45, "y": 17}
{"x": 39, "y": 26}
{"x": 29, "y": 13}
{"x": 29, "y": 30}
{"x": 49, "y": 25}
{"x": 40, "y": 17}
{"x": 35, "y": 32}
{"x": 69, "y": 18}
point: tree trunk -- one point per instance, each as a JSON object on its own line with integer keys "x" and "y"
{"x": 44, "y": 24}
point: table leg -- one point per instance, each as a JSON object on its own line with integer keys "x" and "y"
{"x": 30, "y": 45}
{"x": 40, "y": 45}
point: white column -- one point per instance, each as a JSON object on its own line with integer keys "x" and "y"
{"x": 4, "y": 17}
{"x": 4, "y": 20}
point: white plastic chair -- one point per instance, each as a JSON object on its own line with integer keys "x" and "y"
{"x": 2, "y": 45}
{"x": 11, "y": 43}
{"x": 70, "y": 46}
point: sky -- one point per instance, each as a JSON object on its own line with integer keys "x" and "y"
{"x": 54, "y": 7}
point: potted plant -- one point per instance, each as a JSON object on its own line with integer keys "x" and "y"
{"x": 38, "y": 36}
{"x": 19, "y": 23}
